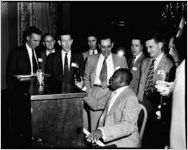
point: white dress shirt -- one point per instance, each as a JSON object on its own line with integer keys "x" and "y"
{"x": 137, "y": 56}
{"x": 157, "y": 61}
{"x": 91, "y": 51}
{"x": 29, "y": 51}
{"x": 63, "y": 58}
{"x": 110, "y": 68}
{"x": 48, "y": 52}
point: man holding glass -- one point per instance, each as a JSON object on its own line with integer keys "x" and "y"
{"x": 157, "y": 67}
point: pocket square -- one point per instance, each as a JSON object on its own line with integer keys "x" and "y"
{"x": 134, "y": 68}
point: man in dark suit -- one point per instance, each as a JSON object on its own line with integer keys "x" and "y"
{"x": 23, "y": 60}
{"x": 68, "y": 65}
{"x": 47, "y": 55}
{"x": 136, "y": 62}
{"x": 157, "y": 67}
{"x": 92, "y": 43}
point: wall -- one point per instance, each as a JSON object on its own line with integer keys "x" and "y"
{"x": 8, "y": 35}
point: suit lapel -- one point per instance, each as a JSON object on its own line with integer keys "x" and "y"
{"x": 121, "y": 97}
{"x": 26, "y": 59}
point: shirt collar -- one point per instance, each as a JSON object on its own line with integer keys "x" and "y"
{"x": 109, "y": 56}
{"x": 68, "y": 53}
{"x": 158, "y": 58}
{"x": 119, "y": 90}
{"x": 28, "y": 47}
{"x": 48, "y": 52}
{"x": 91, "y": 51}
{"x": 137, "y": 56}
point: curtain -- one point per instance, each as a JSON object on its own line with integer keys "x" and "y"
{"x": 39, "y": 14}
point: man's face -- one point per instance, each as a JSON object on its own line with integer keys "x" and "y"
{"x": 66, "y": 42}
{"x": 49, "y": 42}
{"x": 92, "y": 42}
{"x": 106, "y": 47}
{"x": 136, "y": 47}
{"x": 33, "y": 40}
{"x": 115, "y": 81}
{"x": 154, "y": 49}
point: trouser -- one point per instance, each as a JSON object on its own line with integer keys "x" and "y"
{"x": 156, "y": 134}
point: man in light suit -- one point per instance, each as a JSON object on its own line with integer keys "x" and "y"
{"x": 93, "y": 69}
{"x": 92, "y": 43}
{"x": 136, "y": 62}
{"x": 157, "y": 67}
{"x": 118, "y": 122}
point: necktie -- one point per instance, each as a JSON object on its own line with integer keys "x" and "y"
{"x": 133, "y": 61}
{"x": 66, "y": 64}
{"x": 103, "y": 74}
{"x": 35, "y": 66}
{"x": 93, "y": 52}
{"x": 149, "y": 85}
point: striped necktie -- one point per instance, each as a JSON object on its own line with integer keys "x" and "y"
{"x": 149, "y": 85}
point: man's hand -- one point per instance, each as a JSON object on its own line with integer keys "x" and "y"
{"x": 164, "y": 88}
{"x": 94, "y": 136}
{"x": 79, "y": 84}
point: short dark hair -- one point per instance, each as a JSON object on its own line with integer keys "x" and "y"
{"x": 45, "y": 35}
{"x": 157, "y": 36}
{"x": 137, "y": 37}
{"x": 65, "y": 33}
{"x": 125, "y": 75}
{"x": 32, "y": 30}
{"x": 105, "y": 36}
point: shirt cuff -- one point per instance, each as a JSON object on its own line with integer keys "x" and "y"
{"x": 103, "y": 135}
{"x": 84, "y": 88}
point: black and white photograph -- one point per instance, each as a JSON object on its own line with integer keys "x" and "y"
{"x": 93, "y": 74}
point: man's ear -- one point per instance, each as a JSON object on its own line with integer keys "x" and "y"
{"x": 112, "y": 45}
{"x": 71, "y": 41}
{"x": 59, "y": 42}
{"x": 28, "y": 38}
{"x": 160, "y": 44}
{"x": 99, "y": 46}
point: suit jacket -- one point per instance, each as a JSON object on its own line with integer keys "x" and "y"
{"x": 18, "y": 62}
{"x": 165, "y": 64}
{"x": 47, "y": 62}
{"x": 91, "y": 64}
{"x": 136, "y": 72}
{"x": 58, "y": 67}
{"x": 120, "y": 123}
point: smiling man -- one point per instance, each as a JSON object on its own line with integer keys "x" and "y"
{"x": 99, "y": 68}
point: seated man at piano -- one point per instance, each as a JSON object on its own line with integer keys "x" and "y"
{"x": 23, "y": 60}
{"x": 118, "y": 122}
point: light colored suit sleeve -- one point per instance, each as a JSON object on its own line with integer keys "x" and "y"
{"x": 127, "y": 124}
{"x": 87, "y": 78}
{"x": 96, "y": 103}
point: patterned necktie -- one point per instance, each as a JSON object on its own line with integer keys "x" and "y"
{"x": 66, "y": 64}
{"x": 35, "y": 66}
{"x": 103, "y": 74}
{"x": 149, "y": 85}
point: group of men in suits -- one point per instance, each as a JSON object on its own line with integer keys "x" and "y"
{"x": 114, "y": 91}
